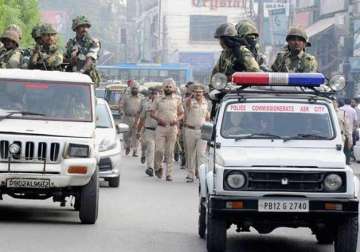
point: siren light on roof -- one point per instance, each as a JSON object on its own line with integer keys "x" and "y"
{"x": 278, "y": 79}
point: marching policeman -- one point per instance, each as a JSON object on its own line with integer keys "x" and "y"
{"x": 196, "y": 113}
{"x": 130, "y": 107}
{"x": 168, "y": 112}
{"x": 148, "y": 125}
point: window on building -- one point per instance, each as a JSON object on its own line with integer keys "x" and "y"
{"x": 202, "y": 28}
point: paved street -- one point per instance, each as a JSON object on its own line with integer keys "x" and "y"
{"x": 144, "y": 214}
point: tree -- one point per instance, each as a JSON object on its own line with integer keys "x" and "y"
{"x": 25, "y": 14}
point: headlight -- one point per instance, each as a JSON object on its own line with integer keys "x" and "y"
{"x": 14, "y": 149}
{"x": 236, "y": 180}
{"x": 337, "y": 83}
{"x": 219, "y": 81}
{"x": 107, "y": 144}
{"x": 78, "y": 151}
{"x": 333, "y": 182}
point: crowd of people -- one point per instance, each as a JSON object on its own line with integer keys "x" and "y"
{"x": 162, "y": 120}
{"x": 80, "y": 54}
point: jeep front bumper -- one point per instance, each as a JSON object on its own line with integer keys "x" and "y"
{"x": 247, "y": 208}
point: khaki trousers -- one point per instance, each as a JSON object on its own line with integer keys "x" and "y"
{"x": 165, "y": 138}
{"x": 149, "y": 143}
{"x": 195, "y": 151}
{"x": 130, "y": 139}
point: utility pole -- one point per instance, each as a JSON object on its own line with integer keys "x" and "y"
{"x": 349, "y": 48}
{"x": 260, "y": 17}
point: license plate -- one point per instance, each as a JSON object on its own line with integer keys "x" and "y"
{"x": 27, "y": 183}
{"x": 283, "y": 205}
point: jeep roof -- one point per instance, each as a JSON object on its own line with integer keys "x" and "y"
{"x": 38, "y": 75}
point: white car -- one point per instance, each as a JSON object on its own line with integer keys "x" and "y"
{"x": 108, "y": 143}
{"x": 47, "y": 144}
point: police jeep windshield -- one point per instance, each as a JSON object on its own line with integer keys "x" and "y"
{"x": 287, "y": 121}
{"x": 45, "y": 101}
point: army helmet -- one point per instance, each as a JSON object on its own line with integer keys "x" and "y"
{"x": 298, "y": 32}
{"x": 47, "y": 29}
{"x": 16, "y": 28}
{"x": 80, "y": 20}
{"x": 227, "y": 30}
{"x": 36, "y": 32}
{"x": 11, "y": 35}
{"x": 246, "y": 27}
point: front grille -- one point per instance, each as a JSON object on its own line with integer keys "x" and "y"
{"x": 32, "y": 151}
{"x": 289, "y": 181}
{"x": 285, "y": 181}
{"x": 105, "y": 164}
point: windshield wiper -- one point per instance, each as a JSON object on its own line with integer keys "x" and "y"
{"x": 25, "y": 113}
{"x": 254, "y": 135}
{"x": 307, "y": 136}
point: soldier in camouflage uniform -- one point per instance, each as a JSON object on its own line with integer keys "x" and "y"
{"x": 27, "y": 52}
{"x": 47, "y": 55}
{"x": 235, "y": 57}
{"x": 10, "y": 54}
{"x": 249, "y": 37}
{"x": 293, "y": 57}
{"x": 83, "y": 50}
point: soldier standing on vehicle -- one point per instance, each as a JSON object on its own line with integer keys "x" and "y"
{"x": 293, "y": 58}
{"x": 196, "y": 113}
{"x": 235, "y": 57}
{"x": 130, "y": 107}
{"x": 10, "y": 54}
{"x": 249, "y": 37}
{"x": 82, "y": 51}
{"x": 148, "y": 125}
{"x": 168, "y": 112}
{"x": 47, "y": 55}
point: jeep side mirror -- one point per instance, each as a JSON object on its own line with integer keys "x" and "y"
{"x": 122, "y": 128}
{"x": 207, "y": 131}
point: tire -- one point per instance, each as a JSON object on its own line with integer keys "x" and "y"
{"x": 202, "y": 219}
{"x": 216, "y": 234}
{"x": 347, "y": 235}
{"x": 77, "y": 203}
{"x": 325, "y": 236}
{"x": 89, "y": 201}
{"x": 114, "y": 182}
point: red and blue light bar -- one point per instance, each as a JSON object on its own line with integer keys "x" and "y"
{"x": 278, "y": 79}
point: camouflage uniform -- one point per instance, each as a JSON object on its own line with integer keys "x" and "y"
{"x": 10, "y": 58}
{"x": 233, "y": 59}
{"x": 303, "y": 62}
{"x": 85, "y": 50}
{"x": 45, "y": 56}
{"x": 27, "y": 52}
{"x": 249, "y": 35}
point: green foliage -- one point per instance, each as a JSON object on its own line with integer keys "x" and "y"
{"x": 24, "y": 13}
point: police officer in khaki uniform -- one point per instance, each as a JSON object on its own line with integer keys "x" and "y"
{"x": 167, "y": 111}
{"x": 148, "y": 125}
{"x": 130, "y": 106}
{"x": 293, "y": 58}
{"x": 196, "y": 113}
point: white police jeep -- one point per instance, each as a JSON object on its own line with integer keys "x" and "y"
{"x": 47, "y": 132}
{"x": 276, "y": 159}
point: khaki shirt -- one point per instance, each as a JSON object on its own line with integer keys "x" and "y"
{"x": 168, "y": 108}
{"x": 146, "y": 114}
{"x": 131, "y": 105}
{"x": 195, "y": 112}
